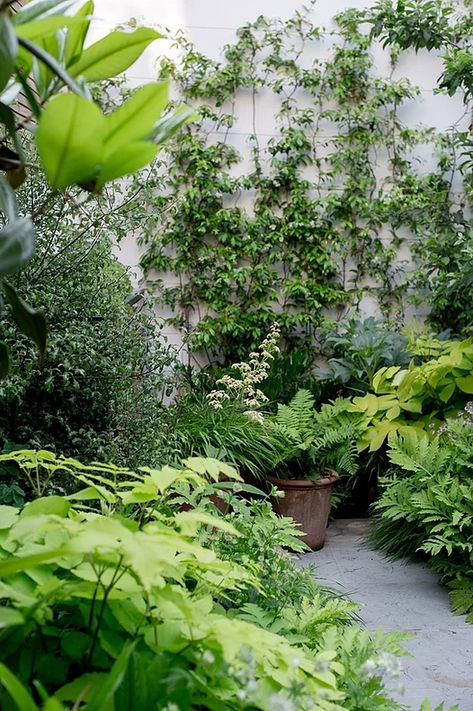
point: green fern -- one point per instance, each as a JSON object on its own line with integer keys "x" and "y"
{"x": 296, "y": 420}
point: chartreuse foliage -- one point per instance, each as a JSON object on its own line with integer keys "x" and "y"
{"x": 137, "y": 595}
{"x": 41, "y": 53}
{"x": 426, "y": 505}
{"x": 419, "y": 397}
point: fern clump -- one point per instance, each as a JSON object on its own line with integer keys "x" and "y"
{"x": 426, "y": 506}
{"x": 318, "y": 439}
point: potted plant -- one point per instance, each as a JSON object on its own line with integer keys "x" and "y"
{"x": 322, "y": 447}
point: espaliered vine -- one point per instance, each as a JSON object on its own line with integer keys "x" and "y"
{"x": 310, "y": 226}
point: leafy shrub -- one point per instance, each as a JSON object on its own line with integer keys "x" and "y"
{"x": 126, "y": 608}
{"x": 98, "y": 392}
{"x": 420, "y": 397}
{"x": 355, "y": 350}
{"x": 427, "y": 506}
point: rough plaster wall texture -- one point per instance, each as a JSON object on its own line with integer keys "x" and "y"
{"x": 210, "y": 24}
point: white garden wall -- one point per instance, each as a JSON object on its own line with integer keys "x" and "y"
{"x": 212, "y": 23}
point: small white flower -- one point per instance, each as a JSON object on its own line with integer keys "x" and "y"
{"x": 208, "y": 657}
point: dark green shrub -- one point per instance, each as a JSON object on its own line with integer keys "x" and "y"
{"x": 98, "y": 393}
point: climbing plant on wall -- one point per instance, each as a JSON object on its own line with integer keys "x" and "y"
{"x": 309, "y": 226}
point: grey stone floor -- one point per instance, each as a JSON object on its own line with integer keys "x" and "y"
{"x": 403, "y": 596}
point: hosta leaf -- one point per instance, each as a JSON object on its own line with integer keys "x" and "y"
{"x": 465, "y": 384}
{"x": 8, "y": 49}
{"x": 112, "y": 54}
{"x": 30, "y": 322}
{"x": 70, "y": 140}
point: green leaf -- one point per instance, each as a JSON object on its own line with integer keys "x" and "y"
{"x": 30, "y": 322}
{"x": 4, "y": 360}
{"x": 168, "y": 125}
{"x": 113, "y": 54}
{"x": 136, "y": 117}
{"x": 46, "y": 505}
{"x": 38, "y": 9}
{"x": 70, "y": 140}
{"x": 114, "y": 679}
{"x": 8, "y": 49}
{"x": 125, "y": 160}
{"x": 8, "y": 516}
{"x": 16, "y": 690}
{"x": 465, "y": 384}
{"x": 17, "y": 243}
{"x": 77, "y": 34}
{"x": 13, "y": 565}
{"x": 10, "y": 617}
{"x": 446, "y": 393}
{"x": 47, "y": 27}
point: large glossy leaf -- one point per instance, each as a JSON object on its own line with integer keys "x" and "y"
{"x": 70, "y": 140}
{"x": 17, "y": 242}
{"x": 77, "y": 34}
{"x": 10, "y": 617}
{"x": 30, "y": 322}
{"x": 8, "y": 49}
{"x": 16, "y": 690}
{"x": 41, "y": 29}
{"x": 112, "y": 54}
{"x": 38, "y": 9}
{"x": 127, "y": 159}
{"x": 137, "y": 116}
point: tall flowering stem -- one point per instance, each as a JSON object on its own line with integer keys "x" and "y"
{"x": 243, "y": 390}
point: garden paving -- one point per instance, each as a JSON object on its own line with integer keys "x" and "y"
{"x": 400, "y": 595}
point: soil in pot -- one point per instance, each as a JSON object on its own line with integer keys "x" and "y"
{"x": 308, "y": 503}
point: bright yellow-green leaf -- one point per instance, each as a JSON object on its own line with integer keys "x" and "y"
{"x": 465, "y": 384}
{"x": 77, "y": 33}
{"x": 413, "y": 405}
{"x": 112, "y": 54}
{"x": 70, "y": 140}
{"x": 383, "y": 375}
{"x": 446, "y": 393}
{"x": 41, "y": 29}
{"x": 393, "y": 412}
{"x": 189, "y": 520}
{"x": 8, "y": 516}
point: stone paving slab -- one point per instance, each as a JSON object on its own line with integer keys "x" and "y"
{"x": 403, "y": 596}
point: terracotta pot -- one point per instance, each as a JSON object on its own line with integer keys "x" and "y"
{"x": 308, "y": 503}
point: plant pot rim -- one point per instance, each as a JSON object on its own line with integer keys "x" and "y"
{"x": 330, "y": 477}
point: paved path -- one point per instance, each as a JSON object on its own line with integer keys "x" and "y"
{"x": 403, "y": 596}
